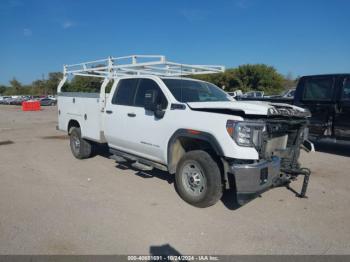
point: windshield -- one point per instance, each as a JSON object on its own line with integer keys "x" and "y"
{"x": 195, "y": 91}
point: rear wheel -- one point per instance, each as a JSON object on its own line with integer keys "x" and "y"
{"x": 198, "y": 179}
{"x": 80, "y": 147}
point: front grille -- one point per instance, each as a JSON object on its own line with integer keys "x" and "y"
{"x": 283, "y": 139}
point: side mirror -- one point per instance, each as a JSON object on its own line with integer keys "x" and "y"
{"x": 151, "y": 100}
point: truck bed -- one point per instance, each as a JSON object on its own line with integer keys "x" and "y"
{"x": 83, "y": 108}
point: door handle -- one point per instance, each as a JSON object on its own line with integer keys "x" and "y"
{"x": 131, "y": 114}
{"x": 109, "y": 111}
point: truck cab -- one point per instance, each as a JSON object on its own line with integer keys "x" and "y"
{"x": 328, "y": 99}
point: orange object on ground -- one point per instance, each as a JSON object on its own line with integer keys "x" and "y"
{"x": 31, "y": 105}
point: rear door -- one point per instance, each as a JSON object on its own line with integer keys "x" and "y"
{"x": 318, "y": 95}
{"x": 342, "y": 116}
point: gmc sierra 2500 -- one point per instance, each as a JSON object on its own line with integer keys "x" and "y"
{"x": 156, "y": 118}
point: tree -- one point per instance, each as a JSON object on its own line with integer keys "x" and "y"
{"x": 38, "y": 87}
{"x": 259, "y": 77}
{"x": 84, "y": 84}
{"x": 16, "y": 85}
{"x": 53, "y": 81}
{"x": 3, "y": 89}
{"x": 248, "y": 77}
{"x": 15, "y": 88}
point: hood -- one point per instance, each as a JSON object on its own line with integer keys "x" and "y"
{"x": 252, "y": 108}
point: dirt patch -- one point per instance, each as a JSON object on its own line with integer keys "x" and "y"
{"x": 6, "y": 142}
{"x": 56, "y": 137}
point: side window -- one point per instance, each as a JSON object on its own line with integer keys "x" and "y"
{"x": 318, "y": 89}
{"x": 125, "y": 92}
{"x": 346, "y": 90}
{"x": 148, "y": 85}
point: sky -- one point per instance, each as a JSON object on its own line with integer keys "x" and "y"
{"x": 296, "y": 37}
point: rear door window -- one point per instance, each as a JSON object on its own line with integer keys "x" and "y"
{"x": 125, "y": 92}
{"x": 318, "y": 89}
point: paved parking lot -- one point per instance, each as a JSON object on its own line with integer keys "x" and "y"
{"x": 52, "y": 203}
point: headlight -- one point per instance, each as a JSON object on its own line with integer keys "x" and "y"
{"x": 246, "y": 133}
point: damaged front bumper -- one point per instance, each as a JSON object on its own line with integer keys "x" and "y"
{"x": 253, "y": 179}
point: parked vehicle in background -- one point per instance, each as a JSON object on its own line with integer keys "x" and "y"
{"x": 288, "y": 94}
{"x": 37, "y": 97}
{"x": 52, "y": 97}
{"x": 48, "y": 101}
{"x": 156, "y": 118}
{"x": 10, "y": 100}
{"x": 4, "y": 99}
{"x": 236, "y": 93}
{"x": 254, "y": 94}
{"x": 328, "y": 99}
{"x": 19, "y": 99}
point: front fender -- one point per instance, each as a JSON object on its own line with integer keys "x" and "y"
{"x": 189, "y": 133}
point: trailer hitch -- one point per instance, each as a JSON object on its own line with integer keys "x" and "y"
{"x": 293, "y": 174}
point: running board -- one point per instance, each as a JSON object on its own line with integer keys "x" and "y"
{"x": 118, "y": 159}
{"x": 140, "y": 162}
{"x": 140, "y": 166}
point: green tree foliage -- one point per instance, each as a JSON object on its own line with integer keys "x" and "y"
{"x": 14, "y": 88}
{"x": 15, "y": 84}
{"x": 53, "y": 81}
{"x": 84, "y": 84}
{"x": 260, "y": 77}
{"x": 3, "y": 89}
{"x": 38, "y": 87}
{"x": 248, "y": 77}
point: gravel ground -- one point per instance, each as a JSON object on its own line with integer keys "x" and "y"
{"x": 52, "y": 203}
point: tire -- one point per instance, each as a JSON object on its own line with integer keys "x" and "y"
{"x": 80, "y": 147}
{"x": 198, "y": 179}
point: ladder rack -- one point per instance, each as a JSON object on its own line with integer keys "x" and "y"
{"x": 114, "y": 67}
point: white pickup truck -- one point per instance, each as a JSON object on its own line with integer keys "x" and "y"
{"x": 156, "y": 118}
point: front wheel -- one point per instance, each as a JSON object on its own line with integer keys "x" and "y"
{"x": 198, "y": 179}
{"x": 80, "y": 147}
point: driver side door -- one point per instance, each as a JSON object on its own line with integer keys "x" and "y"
{"x": 145, "y": 134}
